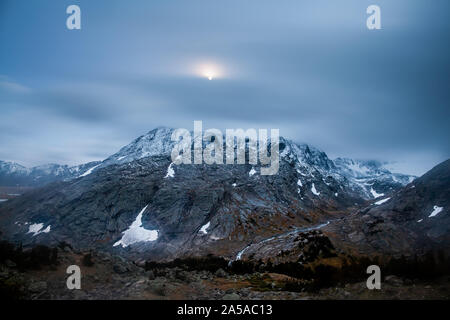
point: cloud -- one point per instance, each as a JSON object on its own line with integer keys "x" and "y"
{"x": 311, "y": 69}
{"x": 9, "y": 86}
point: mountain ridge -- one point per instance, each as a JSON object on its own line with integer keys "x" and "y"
{"x": 191, "y": 208}
{"x": 157, "y": 142}
{"x": 13, "y": 174}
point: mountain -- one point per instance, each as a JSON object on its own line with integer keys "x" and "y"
{"x": 412, "y": 220}
{"x": 138, "y": 203}
{"x": 367, "y": 178}
{"x": 371, "y": 178}
{"x": 156, "y": 142}
{"x": 409, "y": 224}
{"x": 13, "y": 174}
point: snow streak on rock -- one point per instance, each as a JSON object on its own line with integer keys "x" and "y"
{"x": 205, "y": 228}
{"x": 382, "y": 201}
{"x": 170, "y": 172}
{"x": 436, "y": 210}
{"x": 313, "y": 190}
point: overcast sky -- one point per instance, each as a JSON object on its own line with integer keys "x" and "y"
{"x": 310, "y": 68}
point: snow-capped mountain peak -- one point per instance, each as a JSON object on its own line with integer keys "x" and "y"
{"x": 366, "y": 178}
{"x": 370, "y": 176}
{"x": 155, "y": 142}
{"x": 12, "y": 168}
{"x": 14, "y": 174}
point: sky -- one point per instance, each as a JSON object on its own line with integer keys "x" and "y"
{"x": 309, "y": 68}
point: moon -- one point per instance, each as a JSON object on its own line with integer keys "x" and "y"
{"x": 209, "y": 71}
{"x": 209, "y": 74}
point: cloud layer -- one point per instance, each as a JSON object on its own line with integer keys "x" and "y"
{"x": 311, "y": 69}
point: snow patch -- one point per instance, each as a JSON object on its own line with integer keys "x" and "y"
{"x": 420, "y": 220}
{"x": 299, "y": 183}
{"x": 382, "y": 201}
{"x": 252, "y": 172}
{"x": 137, "y": 233}
{"x": 436, "y": 210}
{"x": 204, "y": 228}
{"x": 313, "y": 190}
{"x": 89, "y": 171}
{"x": 336, "y": 194}
{"x": 120, "y": 158}
{"x": 170, "y": 172}
{"x": 3, "y": 200}
{"x": 234, "y": 185}
{"x": 36, "y": 228}
{"x": 375, "y": 194}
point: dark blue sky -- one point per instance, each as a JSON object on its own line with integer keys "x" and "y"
{"x": 309, "y": 68}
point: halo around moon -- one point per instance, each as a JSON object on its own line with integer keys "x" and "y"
{"x": 209, "y": 71}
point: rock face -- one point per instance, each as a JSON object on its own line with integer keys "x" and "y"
{"x": 137, "y": 203}
{"x": 303, "y": 246}
{"x": 413, "y": 220}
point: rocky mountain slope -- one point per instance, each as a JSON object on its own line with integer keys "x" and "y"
{"x": 13, "y": 174}
{"x": 371, "y": 178}
{"x": 411, "y": 223}
{"x": 413, "y": 220}
{"x": 138, "y": 203}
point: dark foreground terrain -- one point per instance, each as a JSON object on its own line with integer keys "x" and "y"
{"x": 41, "y": 274}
